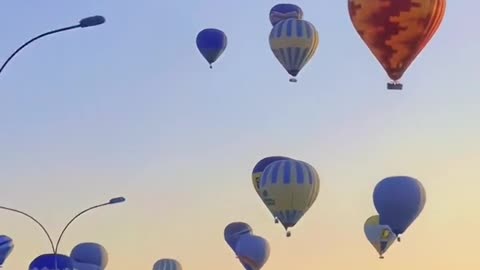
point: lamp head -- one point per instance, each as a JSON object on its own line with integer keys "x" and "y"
{"x": 92, "y": 21}
{"x": 117, "y": 200}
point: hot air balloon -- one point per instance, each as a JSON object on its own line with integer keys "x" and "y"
{"x": 52, "y": 262}
{"x": 396, "y": 31}
{"x": 399, "y": 200}
{"x": 380, "y": 236}
{"x": 211, "y": 43}
{"x": 6, "y": 247}
{"x": 85, "y": 254}
{"x": 234, "y": 231}
{"x": 282, "y": 12}
{"x": 293, "y": 42}
{"x": 289, "y": 188}
{"x": 252, "y": 251}
{"x": 167, "y": 264}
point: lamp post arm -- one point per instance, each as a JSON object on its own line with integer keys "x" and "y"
{"x": 34, "y": 219}
{"x": 70, "y": 222}
{"x": 35, "y": 38}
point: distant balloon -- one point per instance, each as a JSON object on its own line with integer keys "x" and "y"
{"x": 396, "y": 31}
{"x": 399, "y": 200}
{"x": 293, "y": 42}
{"x": 234, "y": 231}
{"x": 252, "y": 251}
{"x": 6, "y": 248}
{"x": 380, "y": 236}
{"x": 90, "y": 253}
{"x": 282, "y": 12}
{"x": 52, "y": 262}
{"x": 167, "y": 264}
{"x": 289, "y": 188}
{"x": 260, "y": 167}
{"x": 211, "y": 43}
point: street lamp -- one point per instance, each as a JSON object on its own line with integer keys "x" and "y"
{"x": 55, "y": 247}
{"x": 86, "y": 22}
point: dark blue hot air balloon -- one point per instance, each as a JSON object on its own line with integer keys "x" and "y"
{"x": 234, "y": 231}
{"x": 86, "y": 255}
{"x": 260, "y": 167}
{"x": 52, "y": 262}
{"x": 253, "y": 251}
{"x": 6, "y": 247}
{"x": 211, "y": 43}
{"x": 282, "y": 12}
{"x": 399, "y": 200}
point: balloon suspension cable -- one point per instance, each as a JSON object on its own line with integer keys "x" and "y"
{"x": 293, "y": 79}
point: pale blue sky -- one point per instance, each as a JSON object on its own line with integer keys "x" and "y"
{"x": 131, "y": 108}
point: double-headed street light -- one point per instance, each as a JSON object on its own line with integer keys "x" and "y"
{"x": 86, "y": 22}
{"x": 55, "y": 247}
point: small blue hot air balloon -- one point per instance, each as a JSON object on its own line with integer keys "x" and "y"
{"x": 253, "y": 251}
{"x": 6, "y": 247}
{"x": 399, "y": 200}
{"x": 234, "y": 231}
{"x": 211, "y": 43}
{"x": 282, "y": 12}
{"x": 85, "y": 254}
{"x": 52, "y": 262}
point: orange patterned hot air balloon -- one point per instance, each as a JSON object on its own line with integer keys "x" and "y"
{"x": 396, "y": 31}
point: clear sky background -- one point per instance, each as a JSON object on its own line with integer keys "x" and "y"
{"x": 131, "y": 108}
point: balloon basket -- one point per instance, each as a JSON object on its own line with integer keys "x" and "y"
{"x": 289, "y": 234}
{"x": 394, "y": 86}
{"x": 293, "y": 80}
{"x": 398, "y": 239}
{"x": 381, "y": 257}
{"x": 211, "y": 67}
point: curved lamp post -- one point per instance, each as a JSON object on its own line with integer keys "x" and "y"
{"x": 86, "y": 22}
{"x": 55, "y": 247}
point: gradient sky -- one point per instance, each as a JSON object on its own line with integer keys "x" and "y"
{"x": 131, "y": 108}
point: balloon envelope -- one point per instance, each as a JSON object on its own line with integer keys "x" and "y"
{"x": 282, "y": 12}
{"x": 260, "y": 167}
{"x": 52, "y": 262}
{"x": 399, "y": 200}
{"x": 86, "y": 266}
{"x": 167, "y": 264}
{"x": 90, "y": 253}
{"x": 253, "y": 251}
{"x": 211, "y": 43}
{"x": 289, "y": 188}
{"x": 396, "y": 31}
{"x": 293, "y": 42}
{"x": 234, "y": 231}
{"x": 6, "y": 248}
{"x": 380, "y": 236}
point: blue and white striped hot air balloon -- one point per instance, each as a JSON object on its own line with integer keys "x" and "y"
{"x": 294, "y": 42}
{"x": 167, "y": 264}
{"x": 6, "y": 247}
{"x": 289, "y": 188}
{"x": 52, "y": 262}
